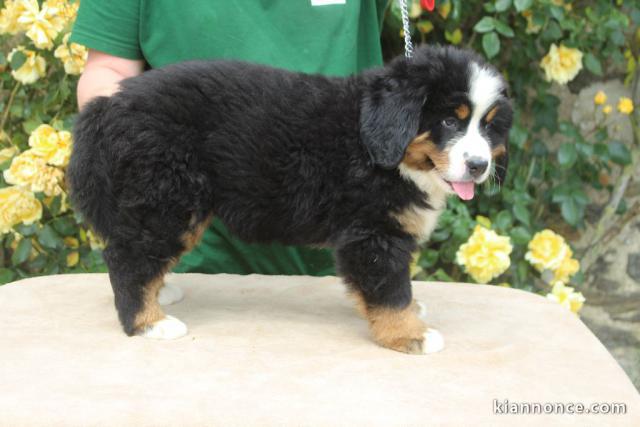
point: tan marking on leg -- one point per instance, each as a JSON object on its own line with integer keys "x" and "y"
{"x": 360, "y": 304}
{"x": 400, "y": 330}
{"x": 196, "y": 230}
{"x": 151, "y": 311}
{"x": 463, "y": 111}
{"x": 491, "y": 114}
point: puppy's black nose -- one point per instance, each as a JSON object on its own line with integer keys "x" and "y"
{"x": 476, "y": 166}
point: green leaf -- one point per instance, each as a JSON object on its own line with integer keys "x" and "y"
{"x": 484, "y": 25}
{"x": 428, "y": 258}
{"x": 557, "y": 12}
{"x": 518, "y": 135}
{"x": 49, "y": 238}
{"x": 580, "y": 197}
{"x": 503, "y": 220}
{"x": 552, "y": 32}
{"x": 520, "y": 235}
{"x": 6, "y": 275}
{"x": 31, "y": 124}
{"x": 593, "y": 64}
{"x": 567, "y": 155}
{"x": 55, "y": 205}
{"x": 502, "y": 5}
{"x": 560, "y": 193}
{"x": 571, "y": 212}
{"x": 521, "y": 212}
{"x": 619, "y": 153}
{"x": 18, "y": 59}
{"x": 64, "y": 225}
{"x": 522, "y": 5}
{"x": 26, "y": 230}
{"x": 22, "y": 252}
{"x": 491, "y": 44}
{"x": 504, "y": 29}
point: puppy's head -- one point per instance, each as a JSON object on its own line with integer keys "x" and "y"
{"x": 442, "y": 115}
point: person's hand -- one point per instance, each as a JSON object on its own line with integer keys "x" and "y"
{"x": 102, "y": 75}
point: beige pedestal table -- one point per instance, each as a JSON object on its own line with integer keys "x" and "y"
{"x": 292, "y": 351}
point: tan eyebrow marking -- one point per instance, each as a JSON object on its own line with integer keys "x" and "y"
{"x": 423, "y": 137}
{"x": 491, "y": 114}
{"x": 500, "y": 150}
{"x": 463, "y": 111}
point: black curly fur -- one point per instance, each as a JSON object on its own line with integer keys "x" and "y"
{"x": 276, "y": 155}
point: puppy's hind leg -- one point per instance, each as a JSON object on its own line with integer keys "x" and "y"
{"x": 136, "y": 279}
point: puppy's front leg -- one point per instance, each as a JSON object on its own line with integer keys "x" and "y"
{"x": 376, "y": 268}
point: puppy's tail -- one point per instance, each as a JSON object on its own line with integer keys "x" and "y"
{"x": 89, "y": 171}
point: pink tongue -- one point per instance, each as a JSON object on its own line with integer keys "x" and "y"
{"x": 464, "y": 190}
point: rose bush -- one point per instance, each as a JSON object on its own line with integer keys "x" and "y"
{"x": 39, "y": 233}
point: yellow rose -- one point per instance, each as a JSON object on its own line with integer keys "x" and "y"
{"x": 72, "y": 55}
{"x": 485, "y": 255}
{"x": 71, "y": 242}
{"x": 415, "y": 10}
{"x": 562, "y": 63}
{"x": 33, "y": 68}
{"x": 67, "y": 10}
{"x": 532, "y": 28}
{"x": 9, "y": 17}
{"x": 17, "y": 205}
{"x": 425, "y": 27}
{"x": 547, "y": 250}
{"x": 600, "y": 98}
{"x": 72, "y": 259}
{"x": 94, "y": 241}
{"x": 32, "y": 172}
{"x": 566, "y": 297}
{"x": 53, "y": 146}
{"x": 7, "y": 154}
{"x": 625, "y": 105}
{"x": 444, "y": 9}
{"x": 568, "y": 267}
{"x": 42, "y": 23}
{"x": 606, "y": 109}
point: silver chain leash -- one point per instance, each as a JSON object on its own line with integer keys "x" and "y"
{"x": 408, "y": 44}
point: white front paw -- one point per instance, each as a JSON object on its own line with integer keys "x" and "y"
{"x": 433, "y": 341}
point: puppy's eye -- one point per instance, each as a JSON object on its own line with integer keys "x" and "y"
{"x": 449, "y": 122}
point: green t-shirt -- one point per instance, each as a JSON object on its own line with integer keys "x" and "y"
{"x": 333, "y": 37}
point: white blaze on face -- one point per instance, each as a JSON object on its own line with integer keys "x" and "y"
{"x": 484, "y": 90}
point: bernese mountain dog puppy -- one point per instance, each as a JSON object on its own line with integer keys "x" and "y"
{"x": 361, "y": 164}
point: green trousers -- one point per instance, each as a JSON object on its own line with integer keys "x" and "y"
{"x": 220, "y": 252}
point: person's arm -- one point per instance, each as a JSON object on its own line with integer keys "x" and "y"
{"x": 102, "y": 75}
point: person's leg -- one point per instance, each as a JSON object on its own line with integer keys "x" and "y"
{"x": 221, "y": 252}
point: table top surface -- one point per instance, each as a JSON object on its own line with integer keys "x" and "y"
{"x": 291, "y": 350}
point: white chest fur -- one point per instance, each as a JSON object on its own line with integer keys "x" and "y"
{"x": 417, "y": 221}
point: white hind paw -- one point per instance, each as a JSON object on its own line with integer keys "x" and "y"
{"x": 168, "y": 328}
{"x": 169, "y": 294}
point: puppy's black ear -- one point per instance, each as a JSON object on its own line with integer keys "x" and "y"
{"x": 389, "y": 119}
